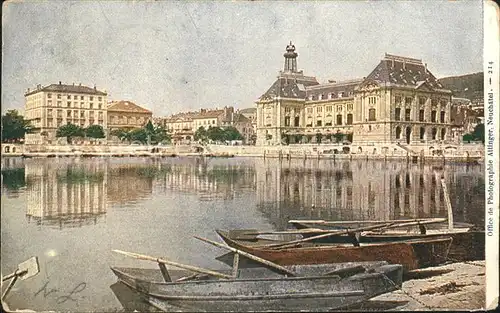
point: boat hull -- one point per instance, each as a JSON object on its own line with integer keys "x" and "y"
{"x": 263, "y": 291}
{"x": 410, "y": 254}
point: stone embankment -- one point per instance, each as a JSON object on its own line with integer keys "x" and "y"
{"x": 436, "y": 152}
{"x": 456, "y": 287}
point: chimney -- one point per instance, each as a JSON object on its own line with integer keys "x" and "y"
{"x": 39, "y": 86}
{"x": 73, "y": 84}
{"x": 425, "y": 67}
{"x": 80, "y": 85}
{"x": 95, "y": 88}
{"x": 60, "y": 83}
{"x": 28, "y": 90}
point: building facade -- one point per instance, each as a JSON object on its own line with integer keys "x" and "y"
{"x": 127, "y": 115}
{"x": 400, "y": 101}
{"x": 49, "y": 107}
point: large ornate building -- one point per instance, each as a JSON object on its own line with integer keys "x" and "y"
{"x": 50, "y": 107}
{"x": 400, "y": 101}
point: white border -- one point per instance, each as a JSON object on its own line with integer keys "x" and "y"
{"x": 492, "y": 120}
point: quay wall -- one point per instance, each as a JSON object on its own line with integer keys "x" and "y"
{"x": 305, "y": 151}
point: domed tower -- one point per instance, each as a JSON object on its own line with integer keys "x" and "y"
{"x": 290, "y": 59}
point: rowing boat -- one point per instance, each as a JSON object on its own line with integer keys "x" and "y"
{"x": 318, "y": 287}
{"x": 411, "y": 254}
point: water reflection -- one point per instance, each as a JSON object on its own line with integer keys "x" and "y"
{"x": 65, "y": 194}
{"x": 358, "y": 190}
{"x": 73, "y": 192}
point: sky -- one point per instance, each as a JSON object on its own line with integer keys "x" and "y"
{"x": 172, "y": 56}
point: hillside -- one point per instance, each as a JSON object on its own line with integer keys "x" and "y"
{"x": 468, "y": 86}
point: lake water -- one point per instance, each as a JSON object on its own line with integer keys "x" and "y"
{"x": 72, "y": 212}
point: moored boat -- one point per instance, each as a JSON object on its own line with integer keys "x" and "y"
{"x": 411, "y": 254}
{"x": 318, "y": 287}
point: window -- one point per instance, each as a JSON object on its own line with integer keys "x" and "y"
{"x": 339, "y": 108}
{"x": 422, "y": 100}
{"x": 371, "y": 114}
{"x": 434, "y": 102}
{"x": 82, "y": 114}
{"x": 49, "y": 102}
{"x": 407, "y": 114}
{"x": 91, "y": 105}
{"x": 59, "y": 103}
{"x": 68, "y": 104}
{"x": 100, "y": 106}
{"x": 287, "y": 109}
{"x": 68, "y": 96}
{"x": 339, "y": 119}
{"x": 422, "y": 132}
{"x": 397, "y": 114}
{"x": 75, "y": 97}
{"x": 287, "y": 120}
{"x": 328, "y": 108}
{"x": 433, "y": 116}
{"x": 49, "y": 113}
{"x": 421, "y": 115}
{"x": 297, "y": 119}
{"x": 319, "y": 109}
{"x": 58, "y": 96}
{"x": 81, "y": 98}
{"x": 408, "y": 100}
{"x": 68, "y": 113}
{"x": 372, "y": 100}
{"x": 434, "y": 133}
{"x": 328, "y": 123}
{"x": 91, "y": 98}
{"x": 398, "y": 132}
{"x": 442, "y": 116}
{"x": 99, "y": 98}
{"x": 443, "y": 133}
{"x": 309, "y": 110}
{"x": 349, "y": 106}
{"x": 349, "y": 119}
{"x": 49, "y": 96}
{"x": 397, "y": 100}
{"x": 443, "y": 103}
{"x": 319, "y": 123}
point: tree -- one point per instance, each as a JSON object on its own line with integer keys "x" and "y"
{"x": 468, "y": 138}
{"x": 231, "y": 133}
{"x": 139, "y": 134}
{"x": 122, "y": 134}
{"x": 14, "y": 126}
{"x": 338, "y": 136}
{"x": 201, "y": 134}
{"x": 318, "y": 138}
{"x": 95, "y": 131}
{"x": 215, "y": 134}
{"x": 69, "y": 131}
{"x": 478, "y": 132}
{"x": 160, "y": 135}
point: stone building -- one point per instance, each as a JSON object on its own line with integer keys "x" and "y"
{"x": 400, "y": 101}
{"x": 50, "y": 107}
{"x": 127, "y": 115}
{"x": 251, "y": 114}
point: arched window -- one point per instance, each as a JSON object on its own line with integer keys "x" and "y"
{"x": 443, "y": 133}
{"x": 422, "y": 132}
{"x": 434, "y": 133}
{"x": 398, "y": 132}
{"x": 371, "y": 114}
{"x": 339, "y": 119}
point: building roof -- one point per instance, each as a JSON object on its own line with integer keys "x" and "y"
{"x": 289, "y": 85}
{"x": 126, "y": 106}
{"x": 240, "y": 118}
{"x": 248, "y": 111}
{"x": 403, "y": 71}
{"x": 67, "y": 89}
{"x": 334, "y": 90}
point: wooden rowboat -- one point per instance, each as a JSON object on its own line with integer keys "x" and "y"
{"x": 467, "y": 245}
{"x": 319, "y": 287}
{"x": 412, "y": 254}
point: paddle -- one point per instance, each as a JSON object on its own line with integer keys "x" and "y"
{"x": 179, "y": 265}
{"x": 25, "y": 270}
{"x": 248, "y": 255}
{"x": 343, "y": 232}
{"x": 323, "y": 222}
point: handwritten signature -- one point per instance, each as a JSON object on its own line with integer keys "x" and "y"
{"x": 64, "y": 297}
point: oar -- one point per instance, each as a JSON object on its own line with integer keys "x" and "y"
{"x": 328, "y": 234}
{"x": 179, "y": 265}
{"x": 355, "y": 230}
{"x": 25, "y": 270}
{"x": 323, "y": 222}
{"x": 250, "y": 256}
